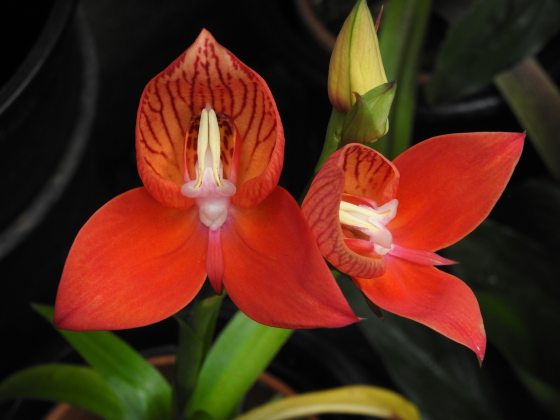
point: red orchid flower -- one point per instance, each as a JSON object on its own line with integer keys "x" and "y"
{"x": 209, "y": 146}
{"x": 381, "y": 222}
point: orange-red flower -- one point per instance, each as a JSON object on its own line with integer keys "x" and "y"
{"x": 381, "y": 222}
{"x": 209, "y": 146}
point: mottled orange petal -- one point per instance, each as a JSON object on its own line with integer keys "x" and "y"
{"x": 262, "y": 137}
{"x": 207, "y": 74}
{"x": 429, "y": 296}
{"x": 134, "y": 263}
{"x": 356, "y": 170}
{"x": 274, "y": 272}
{"x": 449, "y": 184}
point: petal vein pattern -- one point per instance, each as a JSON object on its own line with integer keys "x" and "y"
{"x": 209, "y": 145}
{"x": 447, "y": 185}
{"x": 207, "y": 75}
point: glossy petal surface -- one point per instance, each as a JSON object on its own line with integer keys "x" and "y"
{"x": 207, "y": 74}
{"x": 449, "y": 184}
{"x": 431, "y": 297}
{"x": 274, "y": 272}
{"x": 355, "y": 170}
{"x": 133, "y": 263}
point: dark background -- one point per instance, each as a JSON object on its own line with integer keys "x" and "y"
{"x": 110, "y": 50}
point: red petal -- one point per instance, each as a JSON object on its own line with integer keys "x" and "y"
{"x": 207, "y": 74}
{"x": 133, "y": 263}
{"x": 274, "y": 271}
{"x": 262, "y": 148}
{"x": 429, "y": 296}
{"x": 449, "y": 184}
{"x": 355, "y": 170}
{"x": 368, "y": 173}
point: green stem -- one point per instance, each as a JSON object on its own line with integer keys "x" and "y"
{"x": 196, "y": 330}
{"x": 332, "y": 137}
{"x": 401, "y": 39}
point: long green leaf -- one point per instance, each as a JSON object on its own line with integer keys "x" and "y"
{"x": 365, "y": 400}
{"x": 439, "y": 376}
{"x": 142, "y": 390}
{"x": 517, "y": 281}
{"x": 490, "y": 38}
{"x": 534, "y": 99}
{"x": 76, "y": 385}
{"x": 241, "y": 352}
{"x": 401, "y": 39}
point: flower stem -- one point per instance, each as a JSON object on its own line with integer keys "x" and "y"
{"x": 196, "y": 330}
{"x": 332, "y": 137}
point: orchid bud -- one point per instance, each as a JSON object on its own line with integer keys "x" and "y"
{"x": 356, "y": 65}
{"x": 367, "y": 121}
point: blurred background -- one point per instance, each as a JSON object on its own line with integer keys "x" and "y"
{"x": 71, "y": 76}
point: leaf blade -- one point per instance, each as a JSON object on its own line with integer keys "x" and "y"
{"x": 239, "y": 355}
{"x": 76, "y": 385}
{"x": 138, "y": 385}
{"x": 535, "y": 101}
{"x": 364, "y": 400}
{"x": 506, "y": 32}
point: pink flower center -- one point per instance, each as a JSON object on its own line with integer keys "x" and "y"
{"x": 210, "y": 189}
{"x": 365, "y": 226}
{"x": 367, "y": 221}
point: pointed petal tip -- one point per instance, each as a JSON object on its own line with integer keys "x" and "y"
{"x": 478, "y": 346}
{"x": 463, "y": 176}
{"x": 108, "y": 281}
{"x": 59, "y": 318}
{"x": 204, "y": 34}
{"x": 287, "y": 283}
{"x": 431, "y": 297}
{"x": 516, "y": 140}
{"x": 69, "y": 319}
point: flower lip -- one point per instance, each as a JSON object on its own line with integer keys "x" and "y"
{"x": 370, "y": 220}
{"x": 346, "y": 175}
{"x": 210, "y": 190}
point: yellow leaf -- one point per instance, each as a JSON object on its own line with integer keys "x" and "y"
{"x": 360, "y": 399}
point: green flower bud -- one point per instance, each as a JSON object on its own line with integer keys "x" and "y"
{"x": 367, "y": 120}
{"x": 355, "y": 65}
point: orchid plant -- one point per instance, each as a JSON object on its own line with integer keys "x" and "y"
{"x": 209, "y": 147}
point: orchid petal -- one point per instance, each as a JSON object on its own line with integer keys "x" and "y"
{"x": 132, "y": 264}
{"x": 207, "y": 74}
{"x": 359, "y": 171}
{"x": 429, "y": 296}
{"x": 449, "y": 184}
{"x": 262, "y": 150}
{"x": 274, "y": 272}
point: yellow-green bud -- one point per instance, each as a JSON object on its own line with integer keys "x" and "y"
{"x": 367, "y": 121}
{"x": 356, "y": 65}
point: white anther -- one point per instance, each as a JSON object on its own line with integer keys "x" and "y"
{"x": 211, "y": 192}
{"x": 371, "y": 222}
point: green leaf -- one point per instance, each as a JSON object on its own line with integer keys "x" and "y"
{"x": 365, "y": 400}
{"x": 516, "y": 279}
{"x": 541, "y": 220}
{"x": 534, "y": 99}
{"x": 241, "y": 352}
{"x": 401, "y": 38}
{"x": 196, "y": 330}
{"x": 75, "y": 385}
{"x": 490, "y": 38}
{"x": 440, "y": 376}
{"x": 139, "y": 386}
